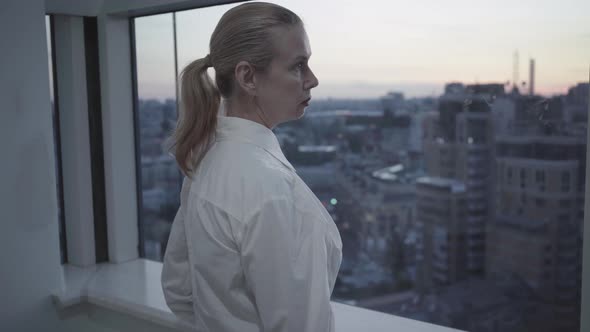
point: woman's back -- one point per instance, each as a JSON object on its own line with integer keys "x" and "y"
{"x": 264, "y": 252}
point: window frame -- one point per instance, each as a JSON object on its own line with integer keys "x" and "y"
{"x": 57, "y": 138}
{"x": 71, "y": 97}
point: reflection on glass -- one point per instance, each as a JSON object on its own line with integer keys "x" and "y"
{"x": 462, "y": 207}
{"x": 160, "y": 178}
{"x": 56, "y": 144}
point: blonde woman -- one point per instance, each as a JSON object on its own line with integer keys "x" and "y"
{"x": 251, "y": 247}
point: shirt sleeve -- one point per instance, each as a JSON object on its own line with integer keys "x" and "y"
{"x": 285, "y": 264}
{"x": 176, "y": 276}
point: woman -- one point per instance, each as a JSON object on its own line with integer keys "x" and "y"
{"x": 251, "y": 247}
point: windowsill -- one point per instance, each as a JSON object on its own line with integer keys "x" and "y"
{"x": 133, "y": 288}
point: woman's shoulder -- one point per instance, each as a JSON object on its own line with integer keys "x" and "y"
{"x": 249, "y": 161}
{"x": 245, "y": 174}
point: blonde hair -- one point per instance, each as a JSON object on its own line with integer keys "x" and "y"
{"x": 244, "y": 33}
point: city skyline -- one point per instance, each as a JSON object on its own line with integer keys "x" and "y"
{"x": 431, "y": 45}
{"x": 464, "y": 212}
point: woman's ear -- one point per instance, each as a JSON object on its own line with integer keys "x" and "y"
{"x": 244, "y": 74}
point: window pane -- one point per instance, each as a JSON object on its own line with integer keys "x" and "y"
{"x": 56, "y": 142}
{"x": 408, "y": 154}
{"x": 156, "y": 106}
{"x": 194, "y": 29}
{"x": 449, "y": 194}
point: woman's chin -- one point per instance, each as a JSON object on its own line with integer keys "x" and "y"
{"x": 300, "y": 111}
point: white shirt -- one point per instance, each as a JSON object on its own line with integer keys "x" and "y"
{"x": 251, "y": 247}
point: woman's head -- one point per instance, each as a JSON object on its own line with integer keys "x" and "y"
{"x": 259, "y": 52}
{"x": 282, "y": 90}
{"x": 246, "y": 33}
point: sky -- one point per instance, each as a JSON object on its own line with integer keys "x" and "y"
{"x": 363, "y": 49}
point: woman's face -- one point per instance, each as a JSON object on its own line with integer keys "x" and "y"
{"x": 284, "y": 90}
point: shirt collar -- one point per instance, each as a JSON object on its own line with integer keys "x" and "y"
{"x": 234, "y": 128}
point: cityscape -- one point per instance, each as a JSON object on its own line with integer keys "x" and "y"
{"x": 463, "y": 210}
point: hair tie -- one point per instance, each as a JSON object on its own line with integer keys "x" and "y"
{"x": 207, "y": 59}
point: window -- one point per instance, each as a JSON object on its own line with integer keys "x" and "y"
{"x": 565, "y": 178}
{"x": 540, "y": 176}
{"x": 155, "y": 46}
{"x": 565, "y": 181}
{"x": 56, "y": 139}
{"x": 540, "y": 179}
{"x": 377, "y": 131}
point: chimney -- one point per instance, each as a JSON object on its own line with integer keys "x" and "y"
{"x": 532, "y": 78}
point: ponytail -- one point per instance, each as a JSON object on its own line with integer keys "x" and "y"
{"x": 244, "y": 33}
{"x": 197, "y": 117}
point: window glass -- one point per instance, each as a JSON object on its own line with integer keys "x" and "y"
{"x": 156, "y": 112}
{"x": 56, "y": 141}
{"x": 417, "y": 108}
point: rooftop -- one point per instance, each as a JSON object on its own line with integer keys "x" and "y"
{"x": 444, "y": 183}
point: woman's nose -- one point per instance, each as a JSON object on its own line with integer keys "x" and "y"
{"x": 312, "y": 81}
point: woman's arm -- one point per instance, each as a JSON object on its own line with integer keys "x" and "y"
{"x": 176, "y": 274}
{"x": 285, "y": 264}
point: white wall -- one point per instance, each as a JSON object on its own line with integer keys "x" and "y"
{"x": 29, "y": 228}
{"x": 29, "y": 234}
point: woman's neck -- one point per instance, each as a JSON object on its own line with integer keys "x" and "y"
{"x": 246, "y": 110}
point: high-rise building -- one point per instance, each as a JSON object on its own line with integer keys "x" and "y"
{"x": 532, "y": 77}
{"x": 454, "y": 88}
{"x": 488, "y": 90}
{"x": 576, "y": 104}
{"x": 536, "y": 233}
{"x": 578, "y": 95}
{"x": 532, "y": 111}
{"x": 393, "y": 102}
{"x": 458, "y": 145}
{"x": 441, "y": 223}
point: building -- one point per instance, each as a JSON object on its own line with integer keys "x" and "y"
{"x": 393, "y": 102}
{"x": 441, "y": 222}
{"x": 577, "y": 102}
{"x": 458, "y": 144}
{"x": 578, "y": 95}
{"x": 536, "y": 234}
